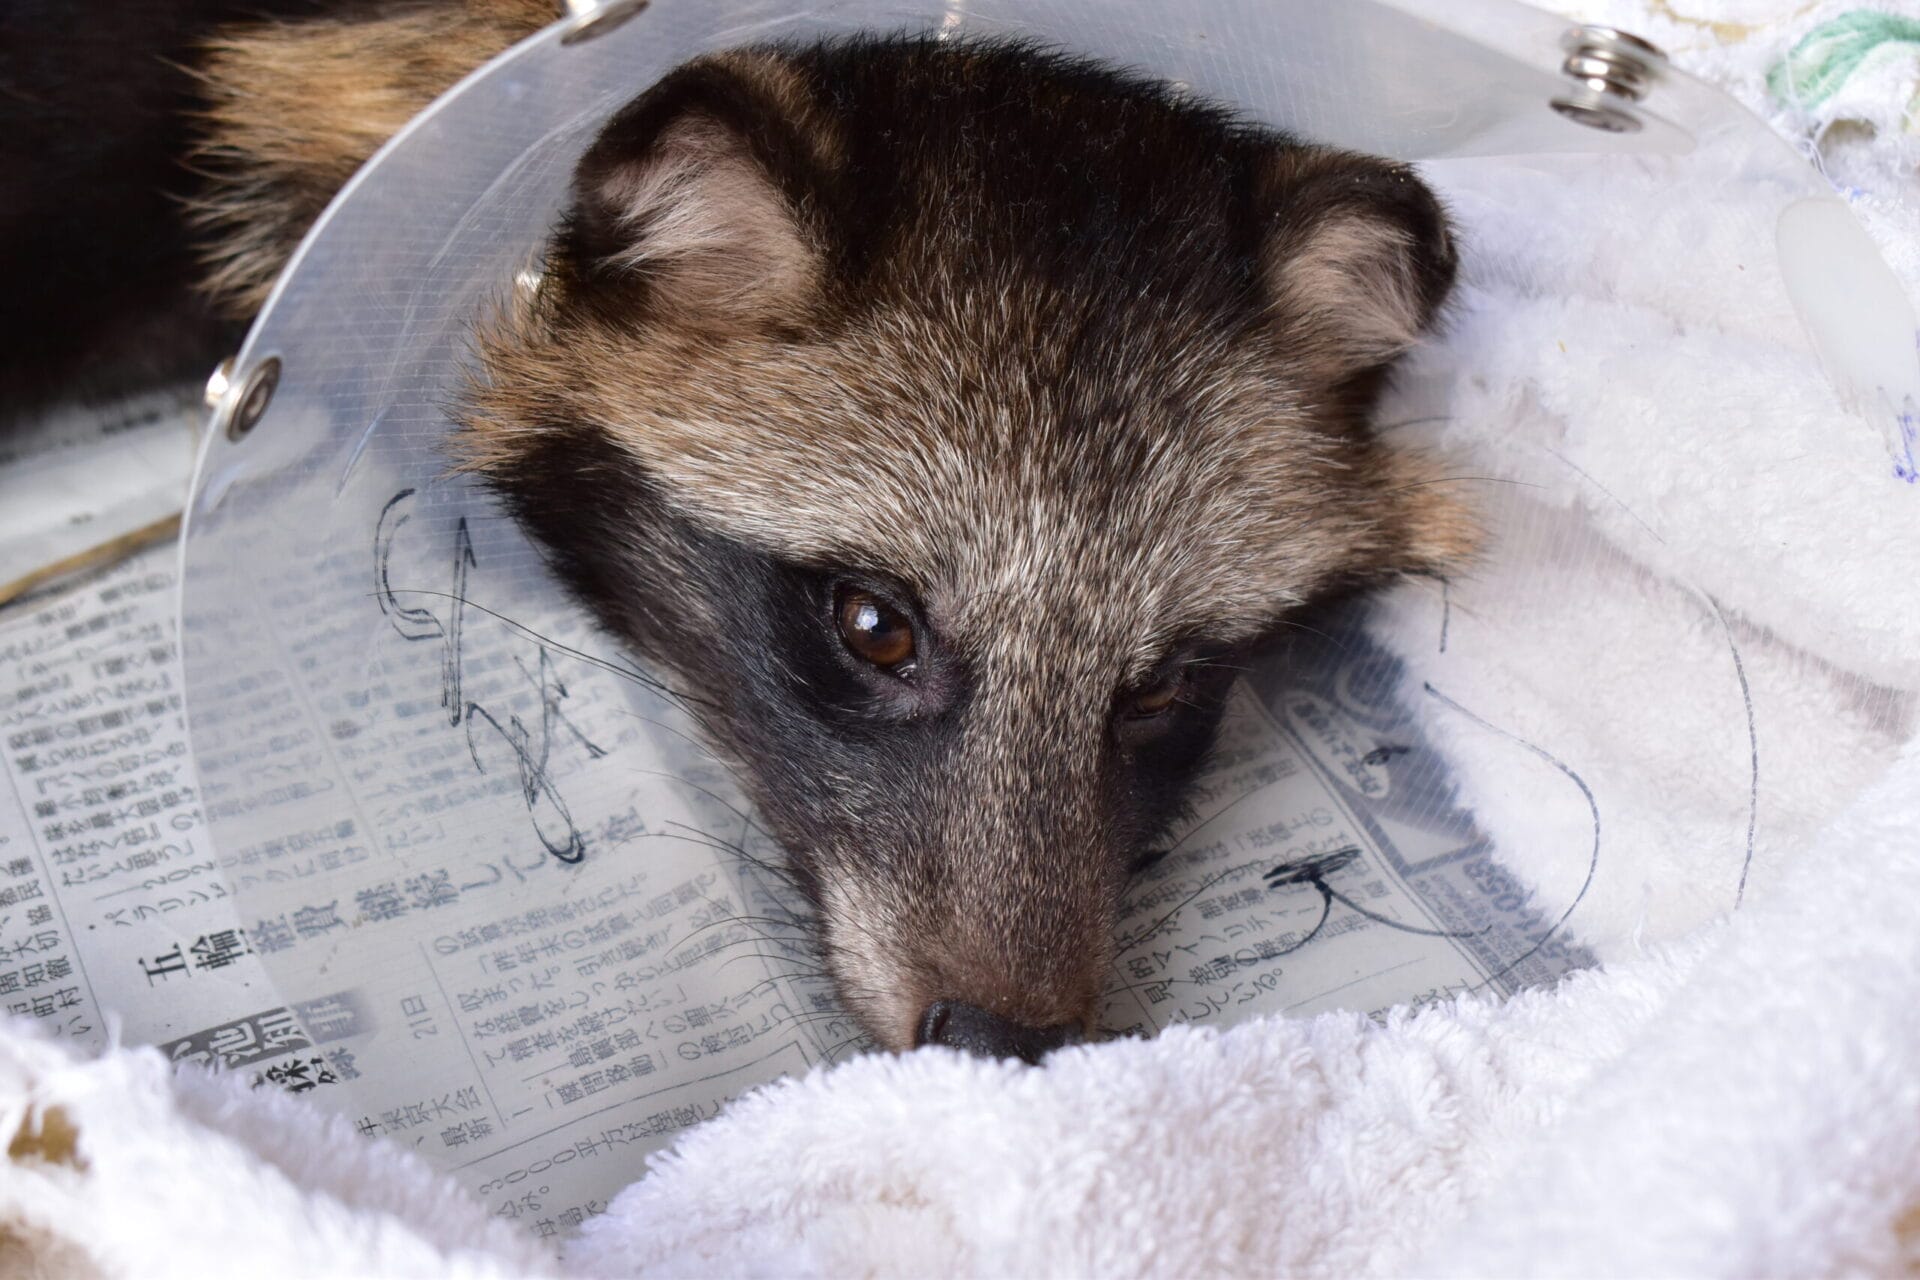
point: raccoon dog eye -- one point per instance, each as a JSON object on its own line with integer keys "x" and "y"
{"x": 1156, "y": 698}
{"x": 873, "y": 630}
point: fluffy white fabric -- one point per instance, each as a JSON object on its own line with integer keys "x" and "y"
{"x": 1739, "y": 1096}
{"x": 1743, "y": 1103}
{"x": 1754, "y": 596}
{"x": 119, "y": 1166}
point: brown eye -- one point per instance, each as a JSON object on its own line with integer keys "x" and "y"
{"x": 872, "y": 629}
{"x": 1156, "y": 699}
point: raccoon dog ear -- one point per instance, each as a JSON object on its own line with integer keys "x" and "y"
{"x": 705, "y": 198}
{"x": 1357, "y": 257}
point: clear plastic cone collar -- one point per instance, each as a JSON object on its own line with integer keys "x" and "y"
{"x": 482, "y": 853}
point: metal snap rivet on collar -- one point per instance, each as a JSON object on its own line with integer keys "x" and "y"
{"x": 597, "y": 17}
{"x": 239, "y": 400}
{"x": 1611, "y": 69}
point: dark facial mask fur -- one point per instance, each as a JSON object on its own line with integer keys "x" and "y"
{"x": 944, "y": 418}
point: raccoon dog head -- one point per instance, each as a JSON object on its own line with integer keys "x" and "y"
{"x": 945, "y": 417}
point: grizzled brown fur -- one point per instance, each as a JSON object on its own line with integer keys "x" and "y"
{"x": 1076, "y": 373}
{"x": 1072, "y": 373}
{"x": 291, "y": 109}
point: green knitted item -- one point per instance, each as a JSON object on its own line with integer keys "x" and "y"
{"x": 1827, "y": 56}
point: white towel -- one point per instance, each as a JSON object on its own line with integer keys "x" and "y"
{"x": 1744, "y": 1102}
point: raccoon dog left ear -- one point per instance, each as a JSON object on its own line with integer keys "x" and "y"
{"x": 1357, "y": 257}
{"x": 704, "y": 199}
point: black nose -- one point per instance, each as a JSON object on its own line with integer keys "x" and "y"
{"x": 961, "y": 1026}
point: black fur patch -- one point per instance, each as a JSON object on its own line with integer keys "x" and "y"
{"x": 94, "y": 123}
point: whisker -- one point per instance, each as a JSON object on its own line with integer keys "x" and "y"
{"x": 782, "y": 977}
{"x": 1421, "y": 484}
{"x": 1183, "y": 904}
{"x": 605, "y": 664}
{"x": 1335, "y": 641}
{"x": 829, "y": 1053}
{"x": 687, "y": 738}
{"x": 762, "y": 955}
{"x": 754, "y": 939}
{"x": 707, "y": 838}
{"x": 1217, "y": 665}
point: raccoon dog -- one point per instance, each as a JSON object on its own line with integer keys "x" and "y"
{"x": 944, "y": 417}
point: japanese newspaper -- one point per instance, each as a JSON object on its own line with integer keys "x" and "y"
{"x": 467, "y": 910}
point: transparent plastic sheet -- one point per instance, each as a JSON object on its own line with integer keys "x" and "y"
{"x": 477, "y": 850}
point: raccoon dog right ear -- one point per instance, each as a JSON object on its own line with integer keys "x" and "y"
{"x": 705, "y": 200}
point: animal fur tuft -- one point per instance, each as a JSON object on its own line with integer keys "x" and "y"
{"x": 294, "y": 108}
